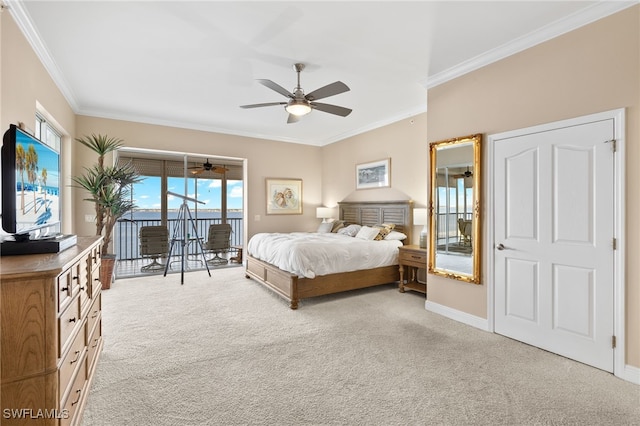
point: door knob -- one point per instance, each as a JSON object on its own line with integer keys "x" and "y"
{"x": 500, "y": 246}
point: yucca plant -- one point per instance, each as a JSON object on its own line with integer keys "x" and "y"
{"x": 109, "y": 187}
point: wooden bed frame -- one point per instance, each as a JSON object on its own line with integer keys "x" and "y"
{"x": 293, "y": 288}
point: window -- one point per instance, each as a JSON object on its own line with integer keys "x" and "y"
{"x": 47, "y": 134}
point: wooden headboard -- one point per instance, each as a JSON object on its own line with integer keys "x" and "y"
{"x": 370, "y": 213}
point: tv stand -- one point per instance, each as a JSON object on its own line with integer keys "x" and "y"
{"x": 53, "y": 245}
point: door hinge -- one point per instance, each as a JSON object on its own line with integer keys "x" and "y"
{"x": 613, "y": 143}
{"x": 613, "y": 342}
{"x": 614, "y": 243}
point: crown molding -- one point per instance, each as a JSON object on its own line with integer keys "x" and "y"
{"x": 23, "y": 20}
{"x": 376, "y": 125}
{"x": 576, "y": 20}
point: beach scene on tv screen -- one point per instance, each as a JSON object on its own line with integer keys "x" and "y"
{"x": 37, "y": 185}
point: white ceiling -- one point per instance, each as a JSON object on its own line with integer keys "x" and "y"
{"x": 191, "y": 64}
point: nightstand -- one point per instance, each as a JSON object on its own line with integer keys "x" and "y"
{"x": 410, "y": 259}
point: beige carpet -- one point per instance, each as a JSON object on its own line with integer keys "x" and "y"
{"x": 225, "y": 351}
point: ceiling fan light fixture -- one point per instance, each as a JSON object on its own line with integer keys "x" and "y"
{"x": 298, "y": 107}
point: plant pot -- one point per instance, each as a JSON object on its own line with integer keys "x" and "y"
{"x": 107, "y": 266}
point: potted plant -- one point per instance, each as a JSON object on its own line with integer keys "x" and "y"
{"x": 109, "y": 189}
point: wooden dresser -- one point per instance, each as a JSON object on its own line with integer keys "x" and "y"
{"x": 51, "y": 325}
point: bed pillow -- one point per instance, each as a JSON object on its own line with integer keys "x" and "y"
{"x": 383, "y": 230}
{"x": 337, "y": 224}
{"x": 351, "y": 230}
{"x": 367, "y": 233}
{"x": 325, "y": 227}
{"x": 395, "y": 235}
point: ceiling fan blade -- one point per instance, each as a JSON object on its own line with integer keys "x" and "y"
{"x": 276, "y": 87}
{"x": 328, "y": 90}
{"x": 292, "y": 119}
{"x": 331, "y": 109}
{"x": 197, "y": 172}
{"x": 262, "y": 105}
{"x": 217, "y": 169}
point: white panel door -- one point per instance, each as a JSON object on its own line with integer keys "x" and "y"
{"x": 553, "y": 231}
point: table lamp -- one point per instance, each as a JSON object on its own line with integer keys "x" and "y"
{"x": 420, "y": 217}
{"x": 324, "y": 213}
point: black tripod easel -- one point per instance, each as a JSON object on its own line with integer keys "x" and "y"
{"x": 181, "y": 235}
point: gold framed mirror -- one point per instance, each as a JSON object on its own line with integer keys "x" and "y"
{"x": 455, "y": 249}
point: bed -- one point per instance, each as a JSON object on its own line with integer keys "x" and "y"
{"x": 293, "y": 287}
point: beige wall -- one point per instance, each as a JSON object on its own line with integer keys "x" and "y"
{"x": 593, "y": 69}
{"x": 26, "y": 87}
{"x": 404, "y": 142}
{"x": 264, "y": 159}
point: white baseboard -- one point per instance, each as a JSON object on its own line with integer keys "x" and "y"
{"x": 631, "y": 374}
{"x": 454, "y": 314}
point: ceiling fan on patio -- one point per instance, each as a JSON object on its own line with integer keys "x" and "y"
{"x": 300, "y": 104}
{"x": 207, "y": 167}
{"x": 463, "y": 174}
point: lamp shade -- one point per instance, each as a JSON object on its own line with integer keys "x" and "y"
{"x": 420, "y": 217}
{"x": 324, "y": 212}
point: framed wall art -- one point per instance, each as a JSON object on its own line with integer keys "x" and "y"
{"x": 376, "y": 174}
{"x": 284, "y": 196}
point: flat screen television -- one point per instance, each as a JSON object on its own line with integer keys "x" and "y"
{"x": 30, "y": 186}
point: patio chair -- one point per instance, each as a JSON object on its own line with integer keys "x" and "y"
{"x": 218, "y": 241}
{"x": 154, "y": 242}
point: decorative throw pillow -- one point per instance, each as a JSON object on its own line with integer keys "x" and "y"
{"x": 351, "y": 230}
{"x": 367, "y": 233}
{"x": 383, "y": 230}
{"x": 337, "y": 224}
{"x": 325, "y": 227}
{"x": 395, "y": 235}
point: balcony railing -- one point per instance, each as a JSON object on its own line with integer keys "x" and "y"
{"x": 126, "y": 234}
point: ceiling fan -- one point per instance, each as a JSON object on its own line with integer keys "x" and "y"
{"x": 207, "y": 167}
{"x": 466, "y": 174}
{"x": 300, "y": 104}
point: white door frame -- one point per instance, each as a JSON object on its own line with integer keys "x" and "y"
{"x": 618, "y": 116}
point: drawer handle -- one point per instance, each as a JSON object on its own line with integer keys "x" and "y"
{"x": 64, "y": 289}
{"x": 79, "y": 392}
{"x": 81, "y": 288}
{"x": 74, "y": 277}
{"x": 95, "y": 314}
{"x": 77, "y": 357}
{"x": 96, "y": 344}
{"x": 72, "y": 319}
{"x": 96, "y": 279}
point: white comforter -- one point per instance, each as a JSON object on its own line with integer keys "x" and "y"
{"x": 309, "y": 254}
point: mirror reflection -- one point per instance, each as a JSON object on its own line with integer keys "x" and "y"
{"x": 454, "y": 212}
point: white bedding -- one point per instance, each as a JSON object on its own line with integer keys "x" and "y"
{"x": 309, "y": 254}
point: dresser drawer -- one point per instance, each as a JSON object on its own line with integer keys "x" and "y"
{"x": 93, "y": 343}
{"x": 68, "y": 321}
{"x": 94, "y": 313}
{"x": 76, "y": 395}
{"x": 94, "y": 257}
{"x": 413, "y": 258}
{"x": 64, "y": 289}
{"x": 94, "y": 272}
{"x": 71, "y": 362}
{"x": 77, "y": 271}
